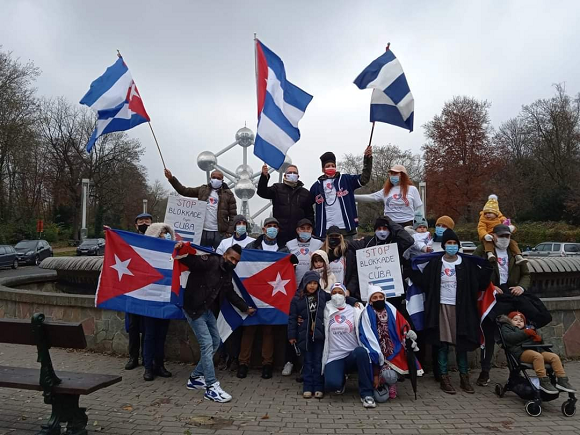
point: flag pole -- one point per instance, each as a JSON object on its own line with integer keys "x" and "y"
{"x": 157, "y": 143}
{"x": 373, "y": 126}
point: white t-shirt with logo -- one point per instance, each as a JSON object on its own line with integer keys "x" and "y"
{"x": 502, "y": 264}
{"x": 303, "y": 251}
{"x": 399, "y": 209}
{"x": 230, "y": 241}
{"x": 338, "y": 267}
{"x": 211, "y": 214}
{"x": 448, "y": 294}
{"x": 342, "y": 334}
{"x": 332, "y": 205}
{"x": 267, "y": 247}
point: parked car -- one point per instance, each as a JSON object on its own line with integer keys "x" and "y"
{"x": 32, "y": 251}
{"x": 468, "y": 247}
{"x": 554, "y": 249}
{"x": 8, "y": 257}
{"x": 91, "y": 247}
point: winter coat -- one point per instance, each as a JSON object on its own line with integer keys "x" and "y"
{"x": 472, "y": 277}
{"x": 345, "y": 185}
{"x": 208, "y": 284}
{"x": 257, "y": 244}
{"x": 331, "y": 279}
{"x": 514, "y": 337}
{"x": 518, "y": 274}
{"x": 156, "y": 228}
{"x": 290, "y": 204}
{"x": 485, "y": 225}
{"x": 227, "y": 208}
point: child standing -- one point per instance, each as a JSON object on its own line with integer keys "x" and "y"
{"x": 489, "y": 217}
{"x": 319, "y": 263}
{"x": 515, "y": 335}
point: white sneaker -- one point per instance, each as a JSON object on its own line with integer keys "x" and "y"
{"x": 214, "y": 392}
{"x": 368, "y": 402}
{"x": 288, "y": 367}
{"x": 196, "y": 383}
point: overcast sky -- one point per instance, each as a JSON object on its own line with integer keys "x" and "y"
{"x": 193, "y": 63}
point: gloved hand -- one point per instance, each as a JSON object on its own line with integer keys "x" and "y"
{"x": 410, "y": 334}
{"x": 512, "y": 228}
{"x": 488, "y": 237}
{"x": 294, "y": 259}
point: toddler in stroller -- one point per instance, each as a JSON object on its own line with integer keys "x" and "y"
{"x": 525, "y": 350}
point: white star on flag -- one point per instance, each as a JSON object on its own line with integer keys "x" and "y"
{"x": 122, "y": 267}
{"x": 279, "y": 285}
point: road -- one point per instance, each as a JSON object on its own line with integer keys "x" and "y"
{"x": 22, "y": 271}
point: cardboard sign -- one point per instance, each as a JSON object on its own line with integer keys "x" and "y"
{"x": 379, "y": 265}
{"x": 186, "y": 216}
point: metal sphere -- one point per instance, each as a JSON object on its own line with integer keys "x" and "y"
{"x": 287, "y": 162}
{"x": 245, "y": 137}
{"x": 244, "y": 188}
{"x": 244, "y": 169}
{"x": 206, "y": 160}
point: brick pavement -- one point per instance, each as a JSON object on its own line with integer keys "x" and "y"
{"x": 271, "y": 406}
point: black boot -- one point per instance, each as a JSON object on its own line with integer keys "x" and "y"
{"x": 149, "y": 375}
{"x": 267, "y": 371}
{"x": 132, "y": 363}
{"x": 242, "y": 371}
{"x": 160, "y": 370}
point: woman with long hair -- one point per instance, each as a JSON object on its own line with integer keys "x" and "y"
{"x": 400, "y": 196}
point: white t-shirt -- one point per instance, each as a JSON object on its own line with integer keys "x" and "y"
{"x": 337, "y": 267}
{"x": 211, "y": 223}
{"x": 342, "y": 334}
{"x": 230, "y": 241}
{"x": 267, "y": 247}
{"x": 449, "y": 282}
{"x": 502, "y": 265}
{"x": 399, "y": 209}
{"x": 422, "y": 240}
{"x": 332, "y": 206}
{"x": 303, "y": 251}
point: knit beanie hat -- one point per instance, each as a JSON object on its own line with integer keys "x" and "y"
{"x": 340, "y": 286}
{"x": 382, "y": 221}
{"x": 372, "y": 289}
{"x": 449, "y": 234}
{"x": 517, "y": 313}
{"x": 447, "y": 221}
{"x": 491, "y": 206}
{"x": 327, "y": 157}
{"x": 309, "y": 276}
{"x": 420, "y": 221}
{"x": 239, "y": 218}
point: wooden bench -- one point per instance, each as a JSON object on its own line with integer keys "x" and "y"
{"x": 62, "y": 391}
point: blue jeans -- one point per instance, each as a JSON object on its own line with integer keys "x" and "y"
{"x": 208, "y": 338}
{"x": 358, "y": 360}
{"x": 154, "y": 341}
{"x": 312, "y": 367}
{"x": 443, "y": 358}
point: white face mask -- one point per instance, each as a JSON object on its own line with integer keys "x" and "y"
{"x": 502, "y": 243}
{"x": 215, "y": 183}
{"x": 293, "y": 178}
{"x": 338, "y": 300}
{"x": 382, "y": 234}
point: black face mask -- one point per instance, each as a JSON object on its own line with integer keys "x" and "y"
{"x": 333, "y": 242}
{"x": 229, "y": 266}
{"x": 142, "y": 228}
{"x": 379, "y": 305}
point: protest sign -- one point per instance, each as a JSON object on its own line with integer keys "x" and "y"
{"x": 186, "y": 216}
{"x": 379, "y": 265}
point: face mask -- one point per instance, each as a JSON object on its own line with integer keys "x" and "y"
{"x": 382, "y": 234}
{"x": 502, "y": 243}
{"x": 331, "y": 172}
{"x": 142, "y": 228}
{"x": 304, "y": 235}
{"x": 338, "y": 300}
{"x": 379, "y": 305}
{"x": 293, "y": 178}
{"x": 229, "y": 266}
{"x": 167, "y": 236}
{"x": 394, "y": 179}
{"x": 215, "y": 183}
{"x": 439, "y": 231}
{"x": 333, "y": 243}
{"x": 241, "y": 230}
{"x": 272, "y": 232}
{"x": 451, "y": 249}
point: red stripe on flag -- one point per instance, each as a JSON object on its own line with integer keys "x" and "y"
{"x": 261, "y": 76}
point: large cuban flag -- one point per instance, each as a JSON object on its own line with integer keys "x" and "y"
{"x": 280, "y": 106}
{"x": 136, "y": 276}
{"x": 392, "y": 101}
{"x": 115, "y": 98}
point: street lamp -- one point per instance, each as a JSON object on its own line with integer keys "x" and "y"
{"x": 85, "y": 185}
{"x": 144, "y": 206}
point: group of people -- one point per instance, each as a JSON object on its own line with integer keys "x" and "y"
{"x": 329, "y": 326}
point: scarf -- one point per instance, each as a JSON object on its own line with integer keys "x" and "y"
{"x": 384, "y": 337}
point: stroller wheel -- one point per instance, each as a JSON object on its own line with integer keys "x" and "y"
{"x": 568, "y": 408}
{"x": 499, "y": 390}
{"x": 533, "y": 408}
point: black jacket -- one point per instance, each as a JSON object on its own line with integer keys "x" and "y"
{"x": 472, "y": 277}
{"x": 290, "y": 204}
{"x": 257, "y": 244}
{"x": 208, "y": 283}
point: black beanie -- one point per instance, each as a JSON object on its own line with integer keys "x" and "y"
{"x": 327, "y": 157}
{"x": 382, "y": 221}
{"x": 449, "y": 234}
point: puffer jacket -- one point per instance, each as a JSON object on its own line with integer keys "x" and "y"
{"x": 227, "y": 208}
{"x": 514, "y": 337}
{"x": 156, "y": 228}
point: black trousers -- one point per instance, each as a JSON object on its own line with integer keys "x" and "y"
{"x": 211, "y": 239}
{"x": 488, "y": 327}
{"x": 154, "y": 341}
{"x": 135, "y": 339}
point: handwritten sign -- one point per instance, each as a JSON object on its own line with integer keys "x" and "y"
{"x": 379, "y": 265}
{"x": 186, "y": 216}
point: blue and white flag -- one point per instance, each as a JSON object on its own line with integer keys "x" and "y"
{"x": 280, "y": 106}
{"x": 115, "y": 98}
{"x": 392, "y": 101}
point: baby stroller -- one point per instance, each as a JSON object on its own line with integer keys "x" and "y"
{"x": 520, "y": 383}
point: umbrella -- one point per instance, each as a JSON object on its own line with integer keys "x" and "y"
{"x": 411, "y": 360}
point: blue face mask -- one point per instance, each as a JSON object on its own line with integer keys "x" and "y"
{"x": 241, "y": 230}
{"x": 439, "y": 231}
{"x": 451, "y": 249}
{"x": 394, "y": 179}
{"x": 167, "y": 236}
{"x": 272, "y": 232}
{"x": 304, "y": 235}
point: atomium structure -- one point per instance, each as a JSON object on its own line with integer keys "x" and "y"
{"x": 243, "y": 179}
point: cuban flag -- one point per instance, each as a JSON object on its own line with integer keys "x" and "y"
{"x": 392, "y": 101}
{"x": 136, "y": 276}
{"x": 115, "y": 98}
{"x": 266, "y": 281}
{"x": 280, "y": 106}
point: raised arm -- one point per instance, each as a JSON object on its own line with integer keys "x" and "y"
{"x": 367, "y": 166}
{"x": 263, "y": 190}
{"x": 378, "y": 196}
{"x": 191, "y": 192}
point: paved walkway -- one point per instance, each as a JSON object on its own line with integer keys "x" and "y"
{"x": 165, "y": 406}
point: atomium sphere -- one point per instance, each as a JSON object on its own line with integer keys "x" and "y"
{"x": 244, "y": 169}
{"x": 206, "y": 160}
{"x": 245, "y": 137}
{"x": 244, "y": 188}
{"x": 287, "y": 162}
